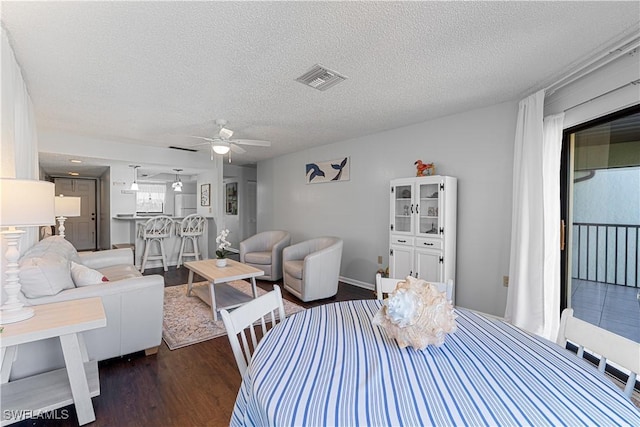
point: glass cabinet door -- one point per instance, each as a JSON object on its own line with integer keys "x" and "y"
{"x": 428, "y": 209}
{"x": 402, "y": 209}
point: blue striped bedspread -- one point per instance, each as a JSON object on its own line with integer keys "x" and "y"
{"x": 330, "y": 366}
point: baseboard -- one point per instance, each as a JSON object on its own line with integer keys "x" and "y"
{"x": 358, "y": 283}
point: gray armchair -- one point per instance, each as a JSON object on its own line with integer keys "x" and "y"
{"x": 311, "y": 268}
{"x": 264, "y": 251}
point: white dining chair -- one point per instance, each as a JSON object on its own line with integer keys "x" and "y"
{"x": 246, "y": 317}
{"x": 609, "y": 346}
{"x": 385, "y": 285}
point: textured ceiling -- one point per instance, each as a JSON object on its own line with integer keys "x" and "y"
{"x": 154, "y": 72}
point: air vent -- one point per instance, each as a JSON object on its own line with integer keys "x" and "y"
{"x": 183, "y": 149}
{"x": 321, "y": 78}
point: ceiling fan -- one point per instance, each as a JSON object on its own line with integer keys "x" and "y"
{"x": 222, "y": 143}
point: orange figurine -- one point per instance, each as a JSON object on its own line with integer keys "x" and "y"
{"x": 423, "y": 169}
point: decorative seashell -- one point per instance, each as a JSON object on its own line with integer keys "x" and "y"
{"x": 416, "y": 314}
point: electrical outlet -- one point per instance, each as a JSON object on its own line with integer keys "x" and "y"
{"x": 379, "y": 259}
{"x": 505, "y": 281}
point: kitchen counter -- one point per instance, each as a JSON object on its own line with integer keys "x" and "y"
{"x": 206, "y": 243}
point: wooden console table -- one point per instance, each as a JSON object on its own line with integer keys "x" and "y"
{"x": 77, "y": 383}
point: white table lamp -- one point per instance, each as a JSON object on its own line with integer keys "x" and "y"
{"x": 66, "y": 207}
{"x": 24, "y": 203}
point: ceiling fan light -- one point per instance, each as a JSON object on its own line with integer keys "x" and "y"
{"x": 221, "y": 149}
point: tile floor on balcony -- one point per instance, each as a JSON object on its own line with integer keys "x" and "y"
{"x": 612, "y": 307}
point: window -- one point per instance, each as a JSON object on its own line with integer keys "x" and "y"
{"x": 601, "y": 197}
{"x": 150, "y": 198}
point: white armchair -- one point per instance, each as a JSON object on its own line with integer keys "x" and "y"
{"x": 311, "y": 268}
{"x": 264, "y": 251}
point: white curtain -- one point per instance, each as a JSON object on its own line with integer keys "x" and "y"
{"x": 533, "y": 300}
{"x": 19, "y": 144}
{"x": 551, "y": 154}
{"x": 19, "y": 138}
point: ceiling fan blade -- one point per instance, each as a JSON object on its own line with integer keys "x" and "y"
{"x": 237, "y": 149}
{"x": 254, "y": 142}
{"x": 204, "y": 137}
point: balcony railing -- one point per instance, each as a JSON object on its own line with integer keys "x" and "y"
{"x": 606, "y": 253}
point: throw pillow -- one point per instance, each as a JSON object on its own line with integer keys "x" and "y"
{"x": 85, "y": 276}
{"x": 55, "y": 244}
{"x": 44, "y": 276}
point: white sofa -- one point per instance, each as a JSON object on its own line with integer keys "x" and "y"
{"x": 133, "y": 303}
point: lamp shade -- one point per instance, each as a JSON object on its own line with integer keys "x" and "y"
{"x": 26, "y": 202}
{"x": 67, "y": 206}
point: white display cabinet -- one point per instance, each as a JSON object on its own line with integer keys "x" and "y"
{"x": 422, "y": 230}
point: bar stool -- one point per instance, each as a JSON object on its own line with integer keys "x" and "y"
{"x": 191, "y": 227}
{"x": 155, "y": 230}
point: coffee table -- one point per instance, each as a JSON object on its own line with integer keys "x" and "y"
{"x": 227, "y": 296}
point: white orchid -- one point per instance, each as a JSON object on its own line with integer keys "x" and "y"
{"x": 223, "y": 244}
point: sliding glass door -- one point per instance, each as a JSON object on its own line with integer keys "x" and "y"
{"x": 601, "y": 222}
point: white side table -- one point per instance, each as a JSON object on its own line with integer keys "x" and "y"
{"x": 77, "y": 383}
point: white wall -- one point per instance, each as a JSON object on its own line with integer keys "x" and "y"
{"x": 105, "y": 208}
{"x": 212, "y": 177}
{"x": 237, "y": 224}
{"x": 475, "y": 146}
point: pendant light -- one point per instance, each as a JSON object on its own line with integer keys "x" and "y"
{"x": 134, "y": 184}
{"x": 177, "y": 185}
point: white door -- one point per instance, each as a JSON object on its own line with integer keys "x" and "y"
{"x": 428, "y": 265}
{"x": 81, "y": 230}
{"x": 401, "y": 261}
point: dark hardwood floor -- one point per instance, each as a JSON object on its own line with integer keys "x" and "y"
{"x": 190, "y": 386}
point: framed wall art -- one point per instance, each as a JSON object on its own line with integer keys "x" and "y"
{"x": 231, "y": 198}
{"x": 332, "y": 170}
{"x": 205, "y": 195}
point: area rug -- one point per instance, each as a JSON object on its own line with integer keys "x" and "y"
{"x": 188, "y": 320}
